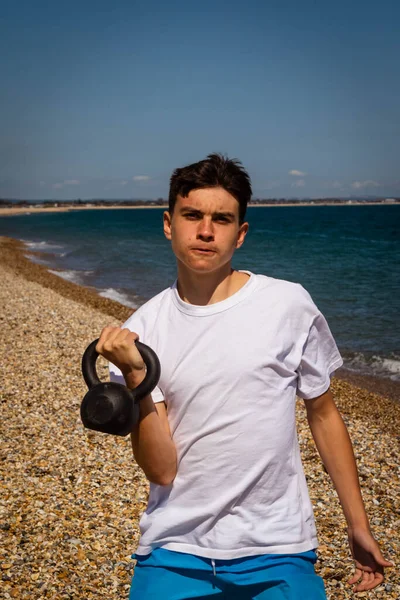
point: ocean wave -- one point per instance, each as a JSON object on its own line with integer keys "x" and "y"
{"x": 120, "y": 297}
{"x": 36, "y": 259}
{"x": 353, "y": 238}
{"x": 73, "y": 276}
{"x": 381, "y": 366}
{"x": 42, "y": 246}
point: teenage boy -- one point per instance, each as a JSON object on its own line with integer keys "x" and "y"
{"x": 229, "y": 513}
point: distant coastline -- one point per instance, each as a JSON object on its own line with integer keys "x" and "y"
{"x": 15, "y": 207}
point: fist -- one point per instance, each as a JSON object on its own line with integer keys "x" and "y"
{"x": 118, "y": 346}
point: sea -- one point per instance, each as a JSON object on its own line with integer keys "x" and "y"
{"x": 346, "y": 256}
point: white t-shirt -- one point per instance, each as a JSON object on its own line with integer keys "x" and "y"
{"x": 230, "y": 373}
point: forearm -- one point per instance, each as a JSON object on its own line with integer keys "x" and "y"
{"x": 152, "y": 445}
{"x": 336, "y": 451}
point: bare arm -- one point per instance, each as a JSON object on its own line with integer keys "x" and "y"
{"x": 335, "y": 448}
{"x": 336, "y": 451}
{"x": 152, "y": 445}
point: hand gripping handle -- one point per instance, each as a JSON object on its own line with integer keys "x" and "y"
{"x": 150, "y": 358}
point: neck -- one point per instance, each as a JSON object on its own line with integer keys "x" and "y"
{"x": 209, "y": 288}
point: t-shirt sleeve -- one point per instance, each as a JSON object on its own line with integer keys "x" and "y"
{"x": 135, "y": 324}
{"x": 320, "y": 358}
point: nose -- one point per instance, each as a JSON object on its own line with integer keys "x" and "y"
{"x": 205, "y": 230}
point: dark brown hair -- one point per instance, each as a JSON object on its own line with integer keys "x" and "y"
{"x": 214, "y": 171}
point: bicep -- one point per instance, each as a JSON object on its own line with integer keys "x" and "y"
{"x": 321, "y": 406}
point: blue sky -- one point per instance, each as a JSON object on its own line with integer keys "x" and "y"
{"x": 104, "y": 99}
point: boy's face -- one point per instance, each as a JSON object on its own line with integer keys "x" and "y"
{"x": 204, "y": 230}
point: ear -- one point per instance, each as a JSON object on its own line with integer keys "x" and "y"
{"x": 243, "y": 229}
{"x": 167, "y": 219}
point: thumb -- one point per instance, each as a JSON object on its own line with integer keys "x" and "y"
{"x": 385, "y": 563}
{"x": 380, "y": 560}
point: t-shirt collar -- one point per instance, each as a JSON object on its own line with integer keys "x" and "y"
{"x": 212, "y": 309}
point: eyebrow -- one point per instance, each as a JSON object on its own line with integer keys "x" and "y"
{"x": 217, "y": 214}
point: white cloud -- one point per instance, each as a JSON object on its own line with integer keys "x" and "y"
{"x": 58, "y": 186}
{"x": 123, "y": 183}
{"x": 297, "y": 173}
{"x": 299, "y": 183}
{"x": 336, "y": 185}
{"x": 42, "y": 183}
{"x": 140, "y": 178}
{"x": 360, "y": 185}
{"x": 269, "y": 185}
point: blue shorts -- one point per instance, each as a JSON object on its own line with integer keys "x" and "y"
{"x": 167, "y": 575}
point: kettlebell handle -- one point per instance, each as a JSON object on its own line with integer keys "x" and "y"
{"x": 150, "y": 359}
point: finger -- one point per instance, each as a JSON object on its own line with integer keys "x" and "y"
{"x": 104, "y": 335}
{"x": 124, "y": 339}
{"x": 356, "y": 576}
{"x": 379, "y": 558}
{"x": 106, "y": 344}
{"x": 361, "y": 586}
{"x": 376, "y": 580}
{"x": 115, "y": 339}
{"x": 369, "y": 581}
{"x": 382, "y": 561}
{"x": 120, "y": 338}
{"x": 131, "y": 336}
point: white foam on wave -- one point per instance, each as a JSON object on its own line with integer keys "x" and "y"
{"x": 120, "y": 297}
{"x": 74, "y": 276}
{"x": 375, "y": 365}
{"x": 388, "y": 364}
{"x": 111, "y": 293}
{"x": 36, "y": 259}
{"x": 43, "y": 246}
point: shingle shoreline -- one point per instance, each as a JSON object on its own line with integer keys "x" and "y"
{"x": 71, "y": 499}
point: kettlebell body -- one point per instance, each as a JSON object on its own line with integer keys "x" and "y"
{"x": 112, "y": 407}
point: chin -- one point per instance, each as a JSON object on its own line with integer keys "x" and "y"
{"x": 205, "y": 268}
{"x": 202, "y": 266}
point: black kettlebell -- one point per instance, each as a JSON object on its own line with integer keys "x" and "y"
{"x": 112, "y": 407}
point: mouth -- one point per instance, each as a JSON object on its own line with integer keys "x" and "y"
{"x": 205, "y": 251}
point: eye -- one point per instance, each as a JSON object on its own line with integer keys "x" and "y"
{"x": 191, "y": 216}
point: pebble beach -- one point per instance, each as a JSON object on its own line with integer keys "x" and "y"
{"x": 71, "y": 499}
